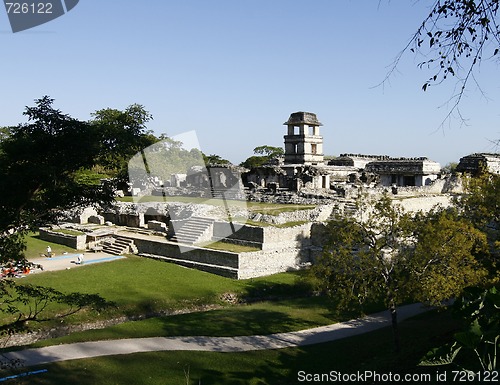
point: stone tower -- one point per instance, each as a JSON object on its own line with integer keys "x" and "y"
{"x": 303, "y": 143}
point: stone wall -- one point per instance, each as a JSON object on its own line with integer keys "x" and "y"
{"x": 262, "y": 263}
{"x": 78, "y": 242}
{"x": 266, "y": 238}
{"x": 287, "y": 237}
{"x": 191, "y": 253}
{"x": 245, "y": 235}
{"x": 425, "y": 204}
{"x": 121, "y": 219}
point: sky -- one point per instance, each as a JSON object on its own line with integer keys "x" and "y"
{"x": 234, "y": 70}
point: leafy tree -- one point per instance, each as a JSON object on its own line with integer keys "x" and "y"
{"x": 480, "y": 204}
{"x": 270, "y": 151}
{"x": 449, "y": 254}
{"x": 481, "y": 334}
{"x": 40, "y": 169}
{"x": 122, "y": 135}
{"x": 455, "y": 37}
{"x": 449, "y": 168}
{"x": 162, "y": 159}
{"x": 39, "y": 164}
{"x": 381, "y": 252}
{"x": 264, "y": 155}
{"x": 215, "y": 159}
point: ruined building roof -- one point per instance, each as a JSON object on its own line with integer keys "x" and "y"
{"x": 417, "y": 166}
{"x": 474, "y": 163}
{"x": 303, "y": 118}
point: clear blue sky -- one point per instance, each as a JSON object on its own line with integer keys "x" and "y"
{"x": 234, "y": 70}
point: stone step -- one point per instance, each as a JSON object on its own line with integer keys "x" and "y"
{"x": 119, "y": 245}
{"x": 192, "y": 230}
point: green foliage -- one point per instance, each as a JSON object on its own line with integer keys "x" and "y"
{"x": 265, "y": 154}
{"x": 449, "y": 168}
{"x": 164, "y": 158}
{"x": 364, "y": 256}
{"x": 214, "y": 160}
{"x": 121, "y": 134}
{"x": 255, "y": 162}
{"x": 458, "y": 32}
{"x": 480, "y": 204}
{"x": 40, "y": 163}
{"x": 449, "y": 254}
{"x": 381, "y": 252}
{"x": 269, "y": 151}
{"x": 480, "y": 309}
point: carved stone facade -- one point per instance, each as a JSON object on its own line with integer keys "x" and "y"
{"x": 405, "y": 171}
{"x": 476, "y": 163}
{"x": 303, "y": 142}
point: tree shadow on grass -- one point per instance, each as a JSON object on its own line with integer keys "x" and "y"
{"x": 370, "y": 352}
{"x": 268, "y": 290}
{"x": 243, "y": 322}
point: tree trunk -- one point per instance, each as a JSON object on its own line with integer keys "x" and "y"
{"x": 395, "y": 330}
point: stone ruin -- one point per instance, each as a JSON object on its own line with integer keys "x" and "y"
{"x": 177, "y": 232}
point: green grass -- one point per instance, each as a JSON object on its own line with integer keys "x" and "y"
{"x": 372, "y": 351}
{"x": 226, "y": 246}
{"x": 36, "y": 246}
{"x": 141, "y": 286}
{"x": 254, "y": 319}
{"x": 68, "y": 232}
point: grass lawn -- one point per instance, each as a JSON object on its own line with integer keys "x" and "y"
{"x": 371, "y": 352}
{"x": 226, "y": 246}
{"x": 35, "y": 246}
{"x": 140, "y": 286}
{"x": 255, "y": 319}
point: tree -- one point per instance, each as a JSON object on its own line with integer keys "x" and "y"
{"x": 264, "y": 155}
{"x": 122, "y": 135}
{"x": 39, "y": 164}
{"x": 481, "y": 334}
{"x": 480, "y": 204}
{"x": 214, "y": 159}
{"x": 454, "y": 39}
{"x": 449, "y": 168}
{"x": 383, "y": 253}
{"x": 269, "y": 151}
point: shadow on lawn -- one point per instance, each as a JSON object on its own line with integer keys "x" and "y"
{"x": 267, "y": 290}
{"x": 230, "y": 323}
{"x": 372, "y": 352}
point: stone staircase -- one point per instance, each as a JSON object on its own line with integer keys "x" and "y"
{"x": 349, "y": 207}
{"x": 193, "y": 230}
{"x": 227, "y": 194}
{"x": 119, "y": 245}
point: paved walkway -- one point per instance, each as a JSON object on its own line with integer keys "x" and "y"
{"x": 318, "y": 335}
{"x": 68, "y": 261}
